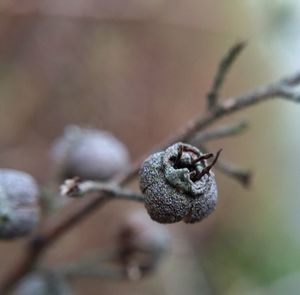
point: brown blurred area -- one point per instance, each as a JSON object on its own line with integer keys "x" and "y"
{"x": 139, "y": 69}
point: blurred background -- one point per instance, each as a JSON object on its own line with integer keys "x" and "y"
{"x": 141, "y": 69}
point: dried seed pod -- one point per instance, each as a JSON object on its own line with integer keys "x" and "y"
{"x": 142, "y": 244}
{"x": 19, "y": 212}
{"x": 42, "y": 283}
{"x": 89, "y": 154}
{"x": 178, "y": 184}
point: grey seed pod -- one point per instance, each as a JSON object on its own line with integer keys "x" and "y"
{"x": 42, "y": 283}
{"x": 19, "y": 212}
{"x": 141, "y": 242}
{"x": 178, "y": 184}
{"x": 89, "y": 154}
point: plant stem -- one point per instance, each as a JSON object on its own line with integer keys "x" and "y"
{"x": 54, "y": 228}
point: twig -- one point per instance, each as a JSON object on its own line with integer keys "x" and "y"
{"x": 92, "y": 265}
{"x": 220, "y": 132}
{"x": 242, "y": 175}
{"x": 54, "y": 228}
{"x": 224, "y": 67}
{"x": 97, "y": 271}
{"x": 283, "y": 88}
{"x": 50, "y": 232}
{"x": 75, "y": 189}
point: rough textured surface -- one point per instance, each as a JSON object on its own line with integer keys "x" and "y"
{"x": 19, "y": 212}
{"x": 171, "y": 192}
{"x": 89, "y": 154}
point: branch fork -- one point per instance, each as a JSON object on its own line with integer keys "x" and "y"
{"x": 53, "y": 229}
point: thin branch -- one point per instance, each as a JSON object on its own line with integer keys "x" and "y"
{"x": 56, "y": 227}
{"x": 52, "y": 230}
{"x": 75, "y": 188}
{"x": 220, "y": 132}
{"x": 107, "y": 264}
{"x": 243, "y": 176}
{"x": 283, "y": 88}
{"x": 97, "y": 271}
{"x": 92, "y": 265}
{"x": 223, "y": 69}
{"x": 130, "y": 272}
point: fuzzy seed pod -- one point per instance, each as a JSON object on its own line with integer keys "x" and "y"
{"x": 178, "y": 184}
{"x": 19, "y": 212}
{"x": 142, "y": 243}
{"x": 89, "y": 154}
{"x": 42, "y": 283}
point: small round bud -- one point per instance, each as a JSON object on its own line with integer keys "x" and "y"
{"x": 178, "y": 184}
{"x": 42, "y": 283}
{"x": 89, "y": 154}
{"x": 142, "y": 244}
{"x": 19, "y": 212}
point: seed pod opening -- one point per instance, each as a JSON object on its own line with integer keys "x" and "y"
{"x": 178, "y": 184}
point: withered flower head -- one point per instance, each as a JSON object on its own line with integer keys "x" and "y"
{"x": 178, "y": 184}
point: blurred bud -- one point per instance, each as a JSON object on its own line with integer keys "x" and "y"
{"x": 42, "y": 283}
{"x": 19, "y": 211}
{"x": 142, "y": 243}
{"x": 89, "y": 154}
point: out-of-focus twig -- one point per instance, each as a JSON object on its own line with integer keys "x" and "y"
{"x": 243, "y": 176}
{"x": 99, "y": 271}
{"x": 220, "y": 132}
{"x": 54, "y": 228}
{"x": 223, "y": 69}
{"x": 95, "y": 265}
{"x": 283, "y": 88}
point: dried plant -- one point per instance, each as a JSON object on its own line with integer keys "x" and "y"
{"x": 176, "y": 181}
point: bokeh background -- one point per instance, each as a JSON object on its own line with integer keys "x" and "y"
{"x": 141, "y": 69}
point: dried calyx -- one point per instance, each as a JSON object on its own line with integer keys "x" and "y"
{"x": 185, "y": 166}
{"x": 178, "y": 184}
